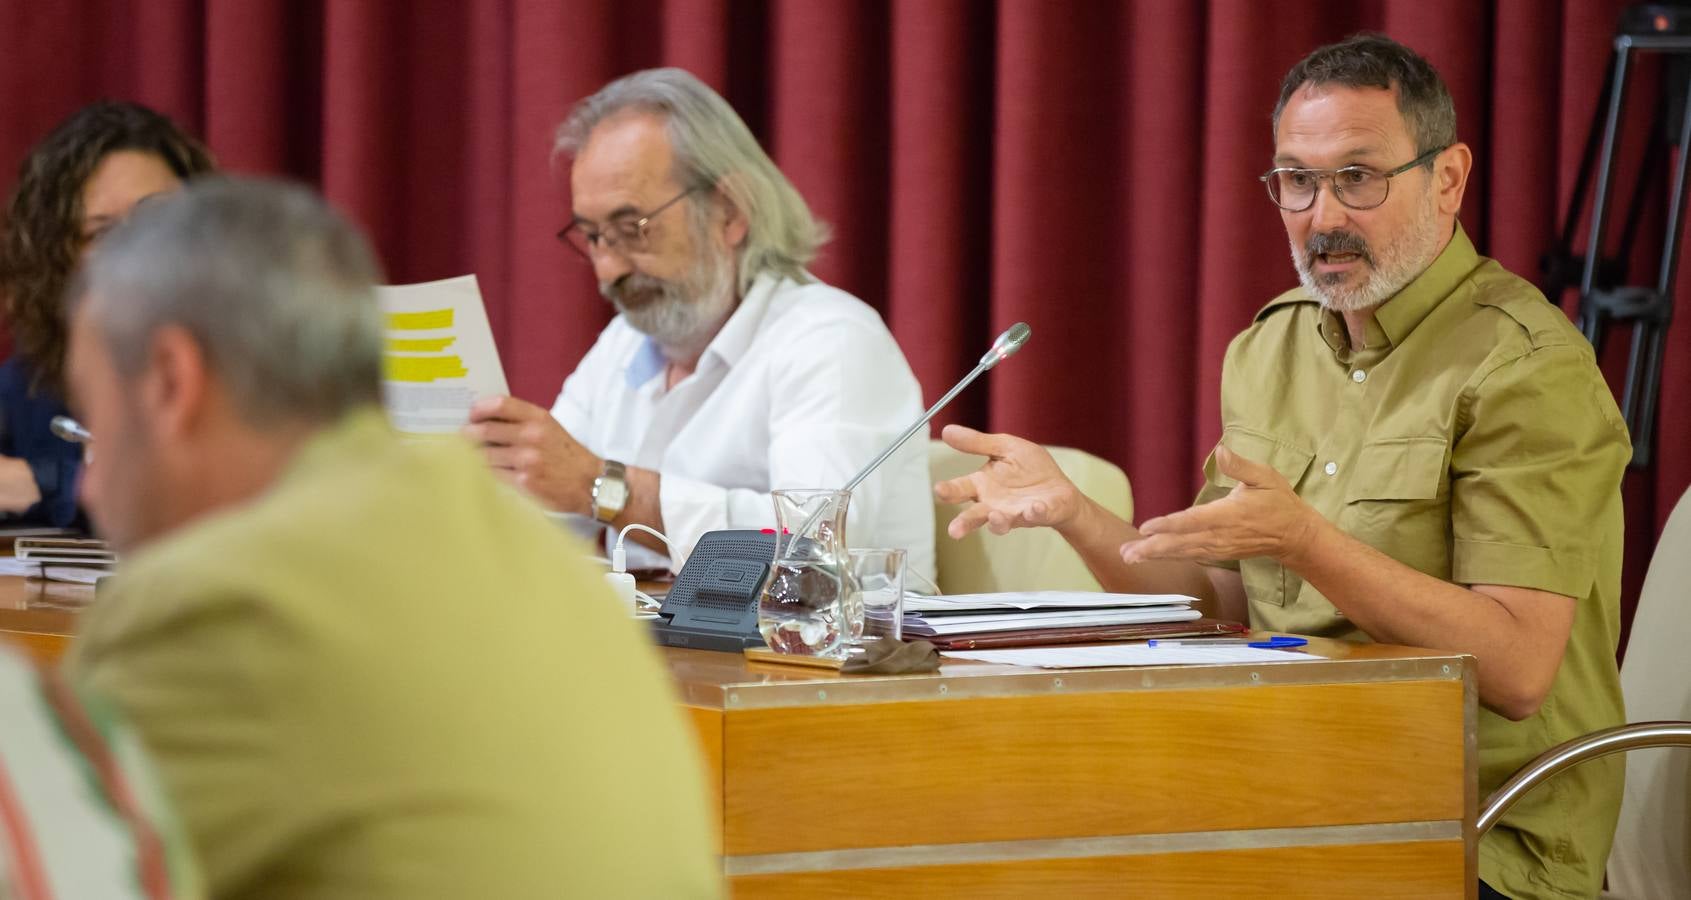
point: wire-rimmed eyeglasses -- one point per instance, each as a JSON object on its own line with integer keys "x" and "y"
{"x": 1357, "y": 187}
{"x": 627, "y": 232}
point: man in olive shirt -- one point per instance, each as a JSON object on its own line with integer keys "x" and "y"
{"x": 1416, "y": 448}
{"x": 364, "y": 668}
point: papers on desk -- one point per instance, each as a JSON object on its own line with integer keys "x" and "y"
{"x": 75, "y": 574}
{"x": 65, "y": 551}
{"x": 81, "y": 561}
{"x": 439, "y": 354}
{"x": 932, "y": 624}
{"x": 1128, "y": 655}
{"x": 11, "y": 565}
{"x": 1020, "y": 611}
{"x": 968, "y": 603}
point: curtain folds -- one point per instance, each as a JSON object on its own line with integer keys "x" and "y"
{"x": 1088, "y": 166}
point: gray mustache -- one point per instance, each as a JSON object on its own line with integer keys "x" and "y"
{"x": 1339, "y": 242}
{"x": 635, "y": 285}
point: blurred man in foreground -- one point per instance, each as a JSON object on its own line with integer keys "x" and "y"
{"x": 1416, "y": 448}
{"x": 364, "y": 668}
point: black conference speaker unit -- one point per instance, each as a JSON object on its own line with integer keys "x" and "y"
{"x": 713, "y": 604}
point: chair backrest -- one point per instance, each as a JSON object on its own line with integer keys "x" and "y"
{"x": 1652, "y": 852}
{"x": 1028, "y": 558}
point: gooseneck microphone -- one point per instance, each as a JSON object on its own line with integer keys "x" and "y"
{"x": 1002, "y": 349}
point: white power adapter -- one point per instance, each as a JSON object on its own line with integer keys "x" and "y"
{"x": 619, "y": 579}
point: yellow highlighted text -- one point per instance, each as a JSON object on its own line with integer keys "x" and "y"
{"x": 420, "y": 321}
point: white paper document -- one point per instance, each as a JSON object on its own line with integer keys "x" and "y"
{"x": 75, "y": 574}
{"x": 1128, "y": 655}
{"x": 11, "y": 565}
{"x": 439, "y": 355}
{"x": 1009, "y": 600}
{"x": 926, "y": 625}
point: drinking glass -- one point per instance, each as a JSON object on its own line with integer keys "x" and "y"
{"x": 875, "y": 599}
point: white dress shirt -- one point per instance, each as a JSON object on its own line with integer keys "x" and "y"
{"x": 800, "y": 389}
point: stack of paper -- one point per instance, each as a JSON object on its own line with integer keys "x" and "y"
{"x": 65, "y": 552}
{"x": 1021, "y": 611}
{"x": 1129, "y": 655}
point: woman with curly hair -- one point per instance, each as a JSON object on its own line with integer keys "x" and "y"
{"x": 74, "y": 186}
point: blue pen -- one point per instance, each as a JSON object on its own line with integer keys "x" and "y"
{"x": 1276, "y": 642}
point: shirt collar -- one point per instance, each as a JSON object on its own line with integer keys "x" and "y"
{"x": 1395, "y": 319}
{"x": 731, "y": 343}
{"x": 1398, "y": 316}
{"x": 737, "y": 334}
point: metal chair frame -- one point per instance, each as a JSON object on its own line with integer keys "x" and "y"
{"x": 1566, "y": 755}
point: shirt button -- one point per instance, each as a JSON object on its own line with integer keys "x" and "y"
{"x": 1332, "y": 468}
{"x": 1359, "y": 376}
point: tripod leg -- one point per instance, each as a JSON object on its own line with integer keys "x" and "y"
{"x": 1559, "y": 262}
{"x": 1587, "y": 161}
{"x": 1590, "y": 317}
{"x": 1656, "y": 151}
{"x": 1676, "y": 211}
{"x": 1647, "y": 343}
{"x": 1644, "y": 360}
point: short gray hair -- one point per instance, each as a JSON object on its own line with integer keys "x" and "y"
{"x": 1376, "y": 61}
{"x": 713, "y": 150}
{"x": 278, "y": 289}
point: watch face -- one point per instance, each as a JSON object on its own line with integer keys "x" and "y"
{"x": 614, "y": 495}
{"x": 610, "y": 495}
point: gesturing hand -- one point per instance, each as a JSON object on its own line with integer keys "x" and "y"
{"x": 528, "y": 447}
{"x": 1019, "y": 487}
{"x": 1261, "y": 516}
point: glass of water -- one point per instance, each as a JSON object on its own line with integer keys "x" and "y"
{"x": 874, "y": 606}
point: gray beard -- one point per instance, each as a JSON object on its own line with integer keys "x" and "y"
{"x": 1393, "y": 267}
{"x": 681, "y": 313}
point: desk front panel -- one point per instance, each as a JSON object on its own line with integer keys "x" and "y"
{"x": 1343, "y": 775}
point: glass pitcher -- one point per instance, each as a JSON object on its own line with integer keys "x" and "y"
{"x": 802, "y": 609}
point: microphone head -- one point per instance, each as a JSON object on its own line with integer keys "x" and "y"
{"x": 66, "y": 428}
{"x": 1007, "y": 344}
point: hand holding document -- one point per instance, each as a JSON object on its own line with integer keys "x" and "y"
{"x": 439, "y": 355}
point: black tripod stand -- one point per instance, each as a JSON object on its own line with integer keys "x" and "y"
{"x": 1604, "y": 296}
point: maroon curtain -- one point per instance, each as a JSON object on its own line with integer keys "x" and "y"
{"x": 1086, "y": 166}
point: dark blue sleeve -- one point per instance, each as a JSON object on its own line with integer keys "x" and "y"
{"x": 25, "y": 433}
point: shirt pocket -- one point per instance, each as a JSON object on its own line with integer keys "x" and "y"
{"x": 1398, "y": 501}
{"x": 1289, "y": 460}
{"x": 1398, "y": 469}
{"x": 1266, "y": 581}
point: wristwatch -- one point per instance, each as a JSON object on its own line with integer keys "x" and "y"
{"x": 610, "y": 491}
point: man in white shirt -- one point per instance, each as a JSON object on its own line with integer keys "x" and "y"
{"x": 730, "y": 370}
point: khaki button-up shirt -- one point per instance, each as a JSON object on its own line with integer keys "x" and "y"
{"x": 1472, "y": 439}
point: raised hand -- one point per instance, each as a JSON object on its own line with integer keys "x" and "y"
{"x": 1261, "y": 516}
{"x": 1019, "y": 487}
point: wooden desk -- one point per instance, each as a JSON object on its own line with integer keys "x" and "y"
{"x": 1352, "y": 776}
{"x": 40, "y": 615}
